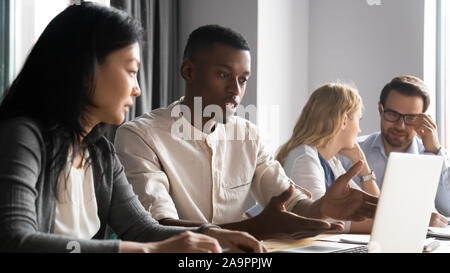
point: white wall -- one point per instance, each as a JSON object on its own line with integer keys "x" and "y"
{"x": 350, "y": 40}
{"x": 239, "y": 15}
{"x": 298, "y": 45}
{"x": 282, "y": 67}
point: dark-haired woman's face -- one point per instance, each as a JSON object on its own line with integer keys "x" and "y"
{"x": 116, "y": 86}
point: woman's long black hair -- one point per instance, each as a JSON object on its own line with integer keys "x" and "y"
{"x": 58, "y": 78}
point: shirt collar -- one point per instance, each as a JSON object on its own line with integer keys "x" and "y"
{"x": 378, "y": 145}
{"x": 414, "y": 147}
{"x": 197, "y": 131}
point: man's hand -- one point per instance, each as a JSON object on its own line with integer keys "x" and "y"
{"x": 236, "y": 241}
{"x": 276, "y": 222}
{"x": 343, "y": 202}
{"x": 427, "y": 131}
{"x": 438, "y": 220}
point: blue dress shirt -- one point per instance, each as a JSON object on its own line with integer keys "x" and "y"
{"x": 373, "y": 148}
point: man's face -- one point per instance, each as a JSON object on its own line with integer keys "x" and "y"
{"x": 219, "y": 76}
{"x": 398, "y": 134}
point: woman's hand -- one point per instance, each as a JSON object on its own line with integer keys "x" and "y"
{"x": 438, "y": 220}
{"x": 356, "y": 154}
{"x": 236, "y": 241}
{"x": 186, "y": 242}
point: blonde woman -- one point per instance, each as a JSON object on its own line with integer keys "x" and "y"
{"x": 328, "y": 126}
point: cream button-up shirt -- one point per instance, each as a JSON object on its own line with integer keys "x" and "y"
{"x": 180, "y": 172}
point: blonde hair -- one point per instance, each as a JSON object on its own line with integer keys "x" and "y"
{"x": 322, "y": 117}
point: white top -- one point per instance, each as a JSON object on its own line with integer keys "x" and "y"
{"x": 76, "y": 208}
{"x": 198, "y": 177}
{"x": 303, "y": 167}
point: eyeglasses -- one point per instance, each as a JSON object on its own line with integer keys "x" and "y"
{"x": 393, "y": 116}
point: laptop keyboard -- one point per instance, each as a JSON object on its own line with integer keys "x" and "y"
{"x": 359, "y": 249}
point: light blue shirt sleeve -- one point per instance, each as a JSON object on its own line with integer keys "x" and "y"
{"x": 373, "y": 149}
{"x": 442, "y": 201}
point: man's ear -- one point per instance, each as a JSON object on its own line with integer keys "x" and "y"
{"x": 380, "y": 108}
{"x": 187, "y": 69}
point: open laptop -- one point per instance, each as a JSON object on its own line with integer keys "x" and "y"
{"x": 404, "y": 207}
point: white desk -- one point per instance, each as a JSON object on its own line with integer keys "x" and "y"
{"x": 279, "y": 244}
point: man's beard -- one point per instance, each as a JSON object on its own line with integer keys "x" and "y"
{"x": 397, "y": 142}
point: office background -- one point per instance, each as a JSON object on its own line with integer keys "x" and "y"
{"x": 297, "y": 45}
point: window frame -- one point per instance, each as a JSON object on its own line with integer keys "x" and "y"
{"x": 442, "y": 71}
{"x": 25, "y": 27}
{"x": 4, "y": 45}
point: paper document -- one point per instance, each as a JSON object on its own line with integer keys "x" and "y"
{"x": 439, "y": 232}
{"x": 430, "y": 244}
{"x": 348, "y": 238}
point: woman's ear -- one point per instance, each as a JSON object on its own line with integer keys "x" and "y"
{"x": 344, "y": 123}
{"x": 187, "y": 69}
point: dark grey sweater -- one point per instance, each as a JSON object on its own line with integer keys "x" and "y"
{"x": 27, "y": 204}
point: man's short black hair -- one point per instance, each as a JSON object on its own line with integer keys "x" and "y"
{"x": 206, "y": 36}
{"x": 409, "y": 86}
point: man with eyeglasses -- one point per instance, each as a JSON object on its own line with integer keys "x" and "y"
{"x": 406, "y": 128}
